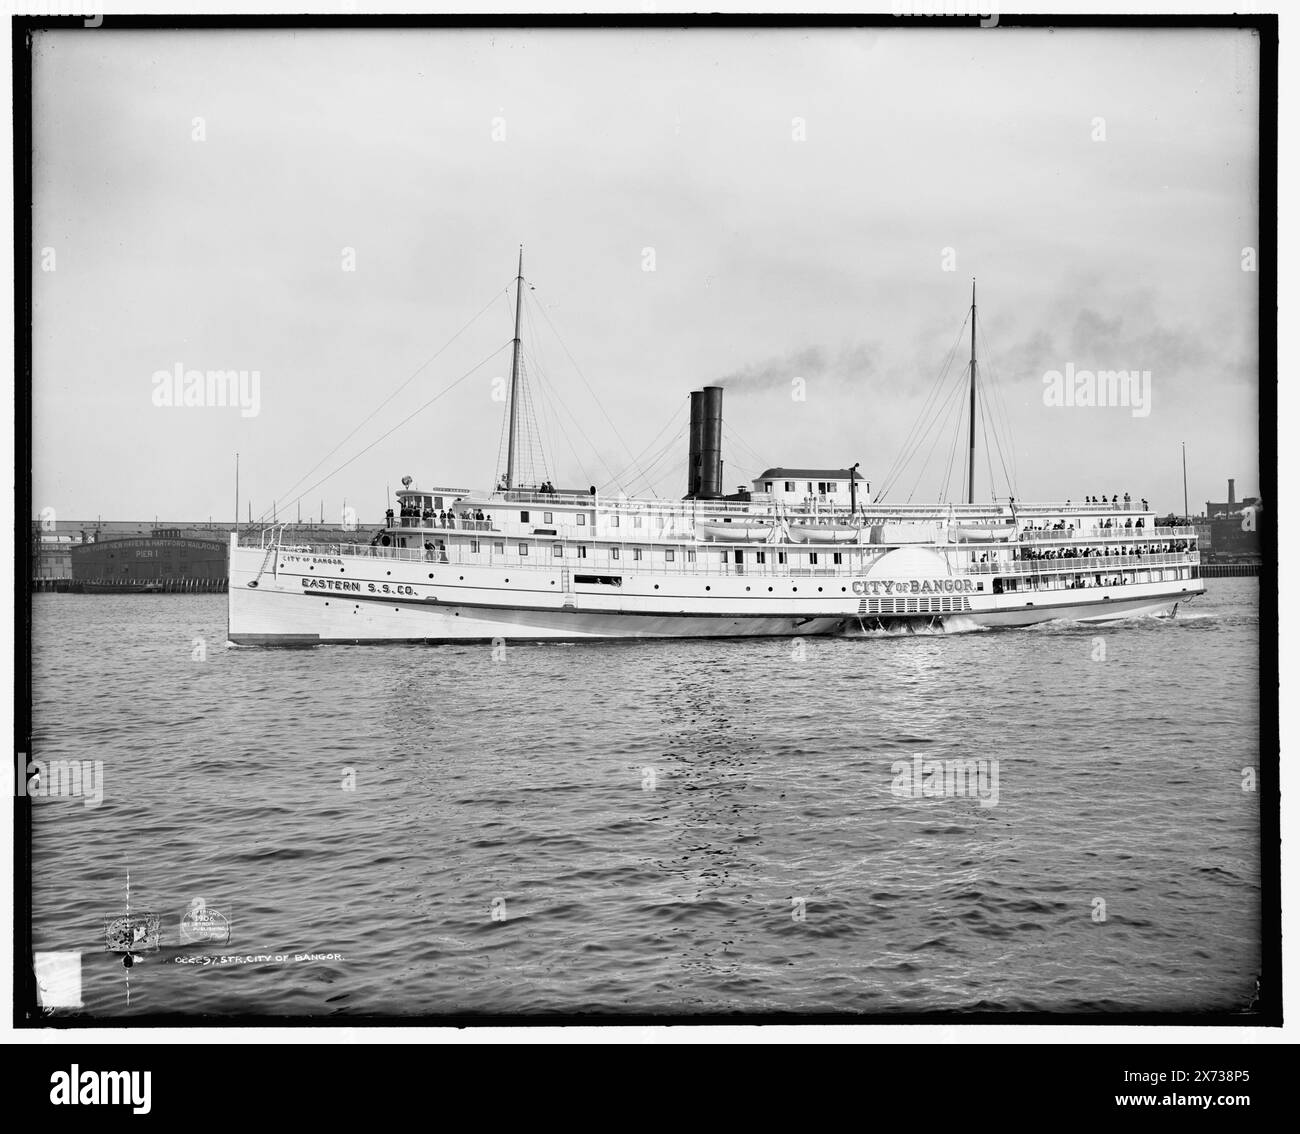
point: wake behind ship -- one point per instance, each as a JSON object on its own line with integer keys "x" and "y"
{"x": 802, "y": 552}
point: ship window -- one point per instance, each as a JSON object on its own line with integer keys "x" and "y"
{"x": 523, "y": 549}
{"x": 760, "y": 557}
{"x": 780, "y": 557}
{"x": 582, "y": 552}
{"x": 789, "y": 486}
{"x": 613, "y": 552}
{"x": 838, "y": 557}
{"x": 636, "y": 553}
{"x": 499, "y": 548}
{"x": 557, "y": 549}
{"x": 767, "y": 486}
{"x": 670, "y": 555}
{"x": 546, "y": 518}
{"x": 582, "y": 520}
{"x": 636, "y": 521}
{"x": 613, "y": 521}
{"x": 523, "y": 517}
{"x": 690, "y": 557}
{"x": 473, "y": 547}
{"x": 812, "y": 558}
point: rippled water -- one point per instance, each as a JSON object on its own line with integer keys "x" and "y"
{"x": 654, "y": 827}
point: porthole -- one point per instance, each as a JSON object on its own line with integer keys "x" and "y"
{"x": 708, "y": 588}
{"x": 795, "y": 589}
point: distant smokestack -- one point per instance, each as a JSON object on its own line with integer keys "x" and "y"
{"x": 1232, "y": 491}
{"x": 711, "y": 444}
{"x": 694, "y": 477}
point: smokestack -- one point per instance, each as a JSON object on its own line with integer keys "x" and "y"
{"x": 693, "y": 475}
{"x": 711, "y": 444}
{"x": 1232, "y": 491}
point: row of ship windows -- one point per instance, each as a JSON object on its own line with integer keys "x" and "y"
{"x": 670, "y": 555}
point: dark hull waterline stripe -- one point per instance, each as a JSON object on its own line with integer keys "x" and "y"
{"x": 802, "y": 615}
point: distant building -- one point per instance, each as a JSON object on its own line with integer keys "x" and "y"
{"x": 807, "y": 486}
{"x": 1234, "y": 527}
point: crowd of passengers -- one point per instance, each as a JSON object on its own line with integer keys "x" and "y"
{"x": 1173, "y": 547}
{"x": 443, "y": 518}
{"x": 1113, "y": 502}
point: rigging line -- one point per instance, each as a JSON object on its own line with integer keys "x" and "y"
{"x": 896, "y": 470}
{"x": 1000, "y": 405}
{"x": 923, "y": 423}
{"x": 988, "y": 452}
{"x": 929, "y": 423}
{"x": 650, "y": 483}
{"x": 578, "y": 369}
{"x": 445, "y": 390}
{"x": 667, "y": 448}
{"x": 953, "y": 401}
{"x": 394, "y": 394}
{"x": 667, "y": 425}
{"x": 745, "y": 445}
{"x": 958, "y": 433}
{"x": 564, "y": 432}
{"x": 997, "y": 441}
{"x": 550, "y": 387}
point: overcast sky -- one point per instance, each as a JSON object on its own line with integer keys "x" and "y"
{"x": 799, "y": 190}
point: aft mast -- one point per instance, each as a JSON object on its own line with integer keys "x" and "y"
{"x": 514, "y": 376}
{"x": 970, "y": 482}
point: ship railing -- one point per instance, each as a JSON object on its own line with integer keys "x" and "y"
{"x": 1094, "y": 533}
{"x": 1083, "y": 565}
{"x": 432, "y": 525}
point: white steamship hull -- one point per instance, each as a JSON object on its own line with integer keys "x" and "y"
{"x": 295, "y": 599}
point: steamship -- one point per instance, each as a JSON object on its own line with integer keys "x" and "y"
{"x": 799, "y": 552}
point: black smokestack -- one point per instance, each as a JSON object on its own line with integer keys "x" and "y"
{"x": 711, "y": 444}
{"x": 1232, "y": 491}
{"x": 694, "y": 477}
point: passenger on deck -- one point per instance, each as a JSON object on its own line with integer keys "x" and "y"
{"x": 388, "y": 518}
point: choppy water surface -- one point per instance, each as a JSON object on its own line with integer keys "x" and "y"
{"x": 693, "y": 827}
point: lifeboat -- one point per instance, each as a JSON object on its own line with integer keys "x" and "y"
{"x": 824, "y": 533}
{"x": 735, "y": 533}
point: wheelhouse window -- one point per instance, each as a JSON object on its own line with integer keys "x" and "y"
{"x": 789, "y": 486}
